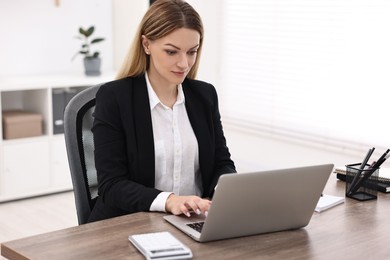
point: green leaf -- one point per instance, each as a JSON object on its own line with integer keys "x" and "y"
{"x": 83, "y": 52}
{"x": 96, "y": 54}
{"x": 82, "y": 31}
{"x": 97, "y": 40}
{"x": 89, "y": 31}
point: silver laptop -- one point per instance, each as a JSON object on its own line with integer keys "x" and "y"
{"x": 259, "y": 202}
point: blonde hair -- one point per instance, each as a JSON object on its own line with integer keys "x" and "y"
{"x": 162, "y": 18}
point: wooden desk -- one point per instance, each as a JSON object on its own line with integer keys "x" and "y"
{"x": 353, "y": 230}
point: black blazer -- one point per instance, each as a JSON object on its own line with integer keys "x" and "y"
{"x": 124, "y": 146}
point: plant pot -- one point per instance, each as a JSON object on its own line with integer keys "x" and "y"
{"x": 92, "y": 66}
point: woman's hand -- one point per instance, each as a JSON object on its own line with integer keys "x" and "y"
{"x": 184, "y": 204}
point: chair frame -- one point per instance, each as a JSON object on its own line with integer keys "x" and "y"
{"x": 73, "y": 121}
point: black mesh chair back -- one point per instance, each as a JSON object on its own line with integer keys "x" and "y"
{"x": 80, "y": 149}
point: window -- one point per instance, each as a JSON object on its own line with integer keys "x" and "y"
{"x": 318, "y": 70}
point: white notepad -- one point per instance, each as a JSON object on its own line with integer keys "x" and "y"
{"x": 327, "y": 201}
{"x": 160, "y": 245}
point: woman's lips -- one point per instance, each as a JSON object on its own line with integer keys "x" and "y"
{"x": 179, "y": 73}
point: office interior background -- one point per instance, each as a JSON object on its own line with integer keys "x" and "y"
{"x": 299, "y": 82}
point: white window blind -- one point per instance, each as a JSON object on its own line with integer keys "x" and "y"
{"x": 314, "y": 69}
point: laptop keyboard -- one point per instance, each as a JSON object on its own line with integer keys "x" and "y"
{"x": 198, "y": 226}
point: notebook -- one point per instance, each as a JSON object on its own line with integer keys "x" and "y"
{"x": 259, "y": 202}
{"x": 383, "y": 184}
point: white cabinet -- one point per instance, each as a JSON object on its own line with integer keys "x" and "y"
{"x": 37, "y": 165}
{"x": 26, "y": 167}
{"x": 60, "y": 176}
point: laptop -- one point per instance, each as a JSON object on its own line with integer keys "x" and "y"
{"x": 259, "y": 202}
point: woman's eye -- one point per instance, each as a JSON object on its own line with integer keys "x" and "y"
{"x": 192, "y": 52}
{"x": 169, "y": 52}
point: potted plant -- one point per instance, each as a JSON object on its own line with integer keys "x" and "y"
{"x": 92, "y": 61}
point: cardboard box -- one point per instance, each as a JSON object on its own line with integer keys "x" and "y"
{"x": 19, "y": 124}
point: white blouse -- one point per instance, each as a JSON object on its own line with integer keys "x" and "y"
{"x": 176, "y": 149}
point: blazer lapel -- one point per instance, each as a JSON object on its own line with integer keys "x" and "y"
{"x": 143, "y": 132}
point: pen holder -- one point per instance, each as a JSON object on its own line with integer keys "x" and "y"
{"x": 361, "y": 184}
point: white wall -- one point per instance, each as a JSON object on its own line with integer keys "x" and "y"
{"x": 126, "y": 17}
{"x": 209, "y": 61}
{"x": 37, "y": 37}
{"x": 251, "y": 151}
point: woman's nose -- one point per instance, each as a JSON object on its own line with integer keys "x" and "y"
{"x": 183, "y": 61}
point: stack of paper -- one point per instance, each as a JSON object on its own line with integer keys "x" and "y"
{"x": 327, "y": 201}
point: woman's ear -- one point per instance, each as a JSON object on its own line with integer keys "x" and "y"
{"x": 145, "y": 44}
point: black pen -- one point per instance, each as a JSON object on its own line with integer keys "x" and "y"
{"x": 358, "y": 173}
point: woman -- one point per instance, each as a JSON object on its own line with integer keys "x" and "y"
{"x": 159, "y": 144}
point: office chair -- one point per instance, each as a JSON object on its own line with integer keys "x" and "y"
{"x": 80, "y": 149}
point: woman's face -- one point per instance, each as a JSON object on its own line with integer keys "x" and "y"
{"x": 172, "y": 56}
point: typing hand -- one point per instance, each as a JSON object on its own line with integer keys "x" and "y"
{"x": 184, "y": 204}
